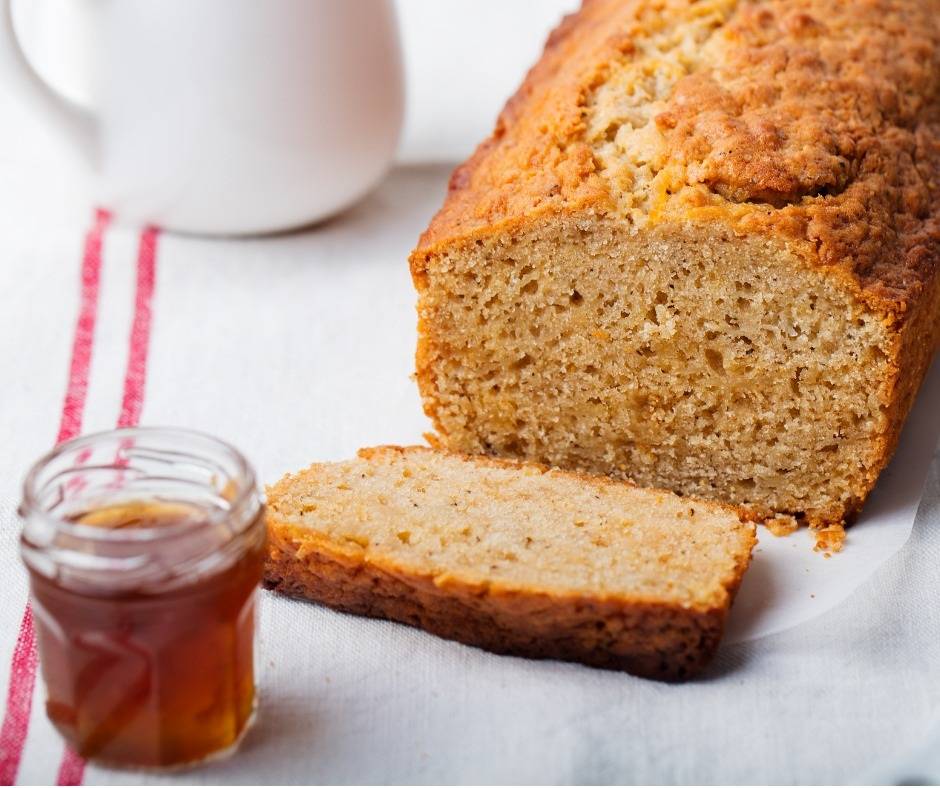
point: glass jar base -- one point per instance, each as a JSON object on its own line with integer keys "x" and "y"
{"x": 175, "y": 768}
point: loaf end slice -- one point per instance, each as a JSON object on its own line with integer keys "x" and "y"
{"x": 513, "y": 558}
{"x": 700, "y": 250}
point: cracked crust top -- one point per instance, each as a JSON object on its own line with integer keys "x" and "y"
{"x": 813, "y": 121}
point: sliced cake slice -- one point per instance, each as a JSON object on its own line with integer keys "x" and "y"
{"x": 512, "y": 557}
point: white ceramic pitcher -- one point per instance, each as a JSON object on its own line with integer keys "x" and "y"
{"x": 231, "y": 116}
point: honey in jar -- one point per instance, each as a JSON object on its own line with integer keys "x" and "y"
{"x": 143, "y": 574}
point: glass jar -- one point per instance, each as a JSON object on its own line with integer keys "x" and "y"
{"x": 145, "y": 548}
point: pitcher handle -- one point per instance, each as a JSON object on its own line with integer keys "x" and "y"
{"x": 76, "y": 123}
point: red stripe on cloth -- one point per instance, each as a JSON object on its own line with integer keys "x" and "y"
{"x": 25, "y": 660}
{"x": 136, "y": 375}
{"x": 19, "y": 699}
{"x": 72, "y": 766}
{"x": 70, "y": 424}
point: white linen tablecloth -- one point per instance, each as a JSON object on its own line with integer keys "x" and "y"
{"x": 299, "y": 348}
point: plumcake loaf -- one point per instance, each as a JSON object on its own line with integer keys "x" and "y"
{"x": 699, "y": 251}
{"x": 511, "y": 557}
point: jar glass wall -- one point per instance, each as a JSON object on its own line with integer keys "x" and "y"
{"x": 145, "y": 549}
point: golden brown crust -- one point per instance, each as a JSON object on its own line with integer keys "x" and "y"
{"x": 916, "y": 343}
{"x": 822, "y": 126}
{"x": 647, "y": 639}
{"x": 532, "y": 163}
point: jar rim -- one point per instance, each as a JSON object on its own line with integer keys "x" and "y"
{"x": 31, "y": 507}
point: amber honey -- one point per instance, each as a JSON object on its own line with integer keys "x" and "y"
{"x": 145, "y": 616}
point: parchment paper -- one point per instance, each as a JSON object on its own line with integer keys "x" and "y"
{"x": 788, "y": 583}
